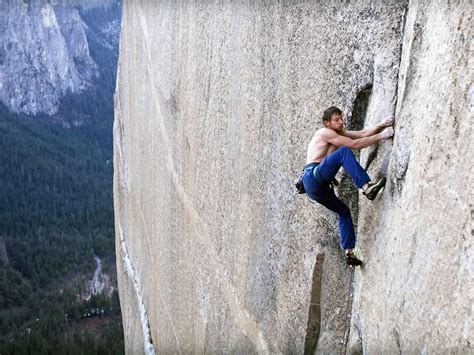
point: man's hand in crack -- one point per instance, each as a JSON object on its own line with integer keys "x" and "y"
{"x": 387, "y": 122}
{"x": 387, "y": 133}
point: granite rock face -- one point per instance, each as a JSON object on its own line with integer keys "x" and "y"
{"x": 215, "y": 104}
{"x": 44, "y": 54}
{"x": 416, "y": 293}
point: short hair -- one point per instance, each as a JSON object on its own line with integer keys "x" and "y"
{"x": 333, "y": 110}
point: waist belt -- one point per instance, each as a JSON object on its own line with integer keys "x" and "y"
{"x": 318, "y": 176}
{"x": 311, "y": 165}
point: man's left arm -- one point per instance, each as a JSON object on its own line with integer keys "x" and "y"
{"x": 369, "y": 131}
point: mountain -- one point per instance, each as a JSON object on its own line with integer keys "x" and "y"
{"x": 58, "y": 67}
{"x": 45, "y": 51}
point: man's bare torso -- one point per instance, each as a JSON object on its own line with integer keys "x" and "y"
{"x": 319, "y": 148}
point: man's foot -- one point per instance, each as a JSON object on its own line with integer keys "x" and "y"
{"x": 351, "y": 259}
{"x": 373, "y": 188}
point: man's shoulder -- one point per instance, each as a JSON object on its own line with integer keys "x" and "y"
{"x": 323, "y": 130}
{"x": 323, "y": 135}
{"x": 326, "y": 132}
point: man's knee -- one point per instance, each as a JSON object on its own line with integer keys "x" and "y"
{"x": 345, "y": 151}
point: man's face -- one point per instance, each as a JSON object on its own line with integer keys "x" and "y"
{"x": 336, "y": 123}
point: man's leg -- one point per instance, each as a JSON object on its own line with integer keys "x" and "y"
{"x": 343, "y": 156}
{"x": 326, "y": 197}
{"x": 346, "y": 226}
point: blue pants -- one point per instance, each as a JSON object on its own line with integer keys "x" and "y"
{"x": 316, "y": 180}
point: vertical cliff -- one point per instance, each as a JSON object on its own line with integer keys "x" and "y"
{"x": 45, "y": 53}
{"x": 215, "y": 104}
{"x": 416, "y": 291}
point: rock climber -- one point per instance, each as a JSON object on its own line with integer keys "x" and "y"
{"x": 329, "y": 149}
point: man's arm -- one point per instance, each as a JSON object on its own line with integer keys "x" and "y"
{"x": 369, "y": 131}
{"x": 342, "y": 141}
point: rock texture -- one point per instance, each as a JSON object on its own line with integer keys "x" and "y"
{"x": 416, "y": 293}
{"x": 44, "y": 53}
{"x": 215, "y": 104}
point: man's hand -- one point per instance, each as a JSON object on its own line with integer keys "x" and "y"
{"x": 387, "y": 133}
{"x": 387, "y": 122}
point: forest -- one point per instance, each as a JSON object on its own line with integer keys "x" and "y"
{"x": 56, "y": 214}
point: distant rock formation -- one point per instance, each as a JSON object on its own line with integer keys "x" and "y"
{"x": 44, "y": 54}
{"x": 215, "y": 105}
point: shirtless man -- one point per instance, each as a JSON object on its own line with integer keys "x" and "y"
{"x": 327, "y": 152}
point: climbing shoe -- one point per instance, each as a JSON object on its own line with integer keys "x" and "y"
{"x": 351, "y": 259}
{"x": 373, "y": 189}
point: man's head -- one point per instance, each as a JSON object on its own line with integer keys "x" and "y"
{"x": 332, "y": 118}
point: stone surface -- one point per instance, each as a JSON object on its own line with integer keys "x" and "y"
{"x": 416, "y": 293}
{"x": 215, "y": 104}
{"x": 44, "y": 53}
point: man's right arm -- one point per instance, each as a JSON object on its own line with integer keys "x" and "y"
{"x": 387, "y": 122}
{"x": 342, "y": 141}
